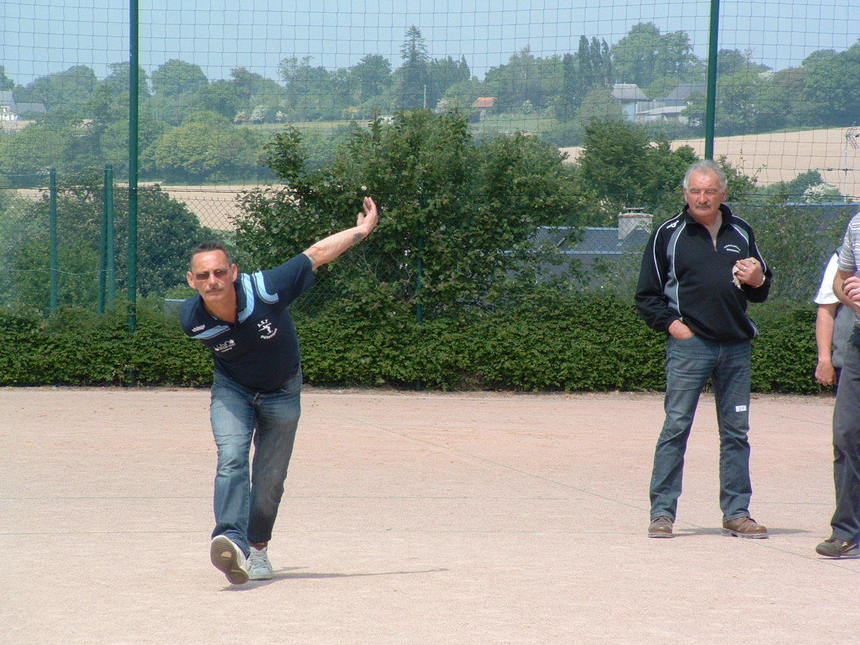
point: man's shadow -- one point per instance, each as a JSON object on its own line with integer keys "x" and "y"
{"x": 298, "y": 573}
{"x": 710, "y": 530}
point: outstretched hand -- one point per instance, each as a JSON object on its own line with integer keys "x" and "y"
{"x": 368, "y": 219}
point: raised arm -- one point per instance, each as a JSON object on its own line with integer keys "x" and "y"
{"x": 331, "y": 247}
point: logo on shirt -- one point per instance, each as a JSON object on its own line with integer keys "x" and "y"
{"x": 733, "y": 248}
{"x": 266, "y": 330}
{"x": 226, "y": 346}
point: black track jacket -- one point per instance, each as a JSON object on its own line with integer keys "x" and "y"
{"x": 685, "y": 277}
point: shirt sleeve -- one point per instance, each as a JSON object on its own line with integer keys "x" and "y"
{"x": 825, "y": 295}
{"x": 289, "y": 280}
{"x": 847, "y": 261}
{"x": 651, "y": 302}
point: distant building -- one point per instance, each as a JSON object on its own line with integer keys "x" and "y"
{"x": 482, "y": 104}
{"x": 630, "y": 97}
{"x": 597, "y": 243}
{"x": 671, "y": 106}
{"x": 11, "y": 112}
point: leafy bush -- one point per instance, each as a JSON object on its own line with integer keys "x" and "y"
{"x": 544, "y": 342}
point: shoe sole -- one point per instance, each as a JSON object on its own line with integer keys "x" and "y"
{"x": 661, "y": 535}
{"x": 265, "y": 576}
{"x": 748, "y": 536}
{"x": 224, "y": 555}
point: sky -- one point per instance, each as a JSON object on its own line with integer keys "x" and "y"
{"x": 40, "y": 37}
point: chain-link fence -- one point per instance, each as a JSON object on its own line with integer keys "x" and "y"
{"x": 216, "y": 83}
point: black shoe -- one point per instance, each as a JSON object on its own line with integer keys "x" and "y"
{"x": 834, "y": 547}
{"x": 660, "y": 527}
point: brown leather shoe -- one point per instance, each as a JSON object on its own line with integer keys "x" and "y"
{"x": 660, "y": 527}
{"x": 745, "y": 527}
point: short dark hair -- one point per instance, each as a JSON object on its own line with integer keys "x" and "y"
{"x": 205, "y": 247}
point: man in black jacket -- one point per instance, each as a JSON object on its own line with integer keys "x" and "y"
{"x": 698, "y": 271}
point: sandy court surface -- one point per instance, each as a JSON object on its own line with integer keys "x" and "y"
{"x": 413, "y": 518}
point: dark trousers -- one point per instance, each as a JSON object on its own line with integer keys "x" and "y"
{"x": 846, "y": 448}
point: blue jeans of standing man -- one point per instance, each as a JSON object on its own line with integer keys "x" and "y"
{"x": 690, "y": 363}
{"x": 846, "y": 448}
{"x": 247, "y": 495}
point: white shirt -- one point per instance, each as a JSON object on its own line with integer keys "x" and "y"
{"x": 825, "y": 295}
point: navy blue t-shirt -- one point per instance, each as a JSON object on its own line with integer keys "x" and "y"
{"x": 260, "y": 350}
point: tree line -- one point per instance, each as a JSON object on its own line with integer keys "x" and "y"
{"x": 193, "y": 129}
{"x": 461, "y": 225}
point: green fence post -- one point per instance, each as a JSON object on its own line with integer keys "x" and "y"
{"x": 133, "y": 97}
{"x": 419, "y": 267}
{"x": 107, "y": 242}
{"x": 52, "y": 229}
{"x": 711, "y": 96}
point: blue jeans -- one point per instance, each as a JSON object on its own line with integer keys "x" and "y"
{"x": 846, "y": 449}
{"x": 689, "y": 365}
{"x": 246, "y": 498}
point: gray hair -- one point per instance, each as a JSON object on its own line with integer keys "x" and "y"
{"x": 706, "y": 165}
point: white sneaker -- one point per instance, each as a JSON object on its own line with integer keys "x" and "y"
{"x": 228, "y": 558}
{"x": 259, "y": 567}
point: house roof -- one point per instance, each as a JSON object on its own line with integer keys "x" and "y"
{"x": 628, "y": 92}
{"x": 684, "y": 91}
{"x": 604, "y": 241}
{"x": 20, "y": 108}
{"x": 593, "y": 240}
{"x": 484, "y": 102}
{"x": 668, "y": 110}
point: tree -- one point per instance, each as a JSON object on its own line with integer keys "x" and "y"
{"x": 312, "y": 93}
{"x": 413, "y": 77}
{"x": 731, "y": 61}
{"x": 166, "y": 230}
{"x": 745, "y": 104}
{"x": 590, "y": 68}
{"x": 792, "y": 191}
{"x": 621, "y": 168}
{"x": 443, "y": 73}
{"x": 114, "y": 144}
{"x": 644, "y": 55}
{"x": 747, "y": 101}
{"x": 598, "y": 104}
{"x": 457, "y": 216}
{"x": 525, "y": 78}
{"x": 832, "y": 84}
{"x": 26, "y": 156}
{"x": 218, "y": 96}
{"x": 205, "y": 148}
{"x": 67, "y": 90}
{"x": 119, "y": 80}
{"x": 177, "y": 77}
{"x": 370, "y": 77}
{"x": 6, "y": 83}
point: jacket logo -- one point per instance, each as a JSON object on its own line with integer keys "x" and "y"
{"x": 733, "y": 248}
{"x": 673, "y": 224}
{"x": 226, "y": 346}
{"x": 266, "y": 330}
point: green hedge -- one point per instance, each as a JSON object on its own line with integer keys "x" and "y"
{"x": 577, "y": 343}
